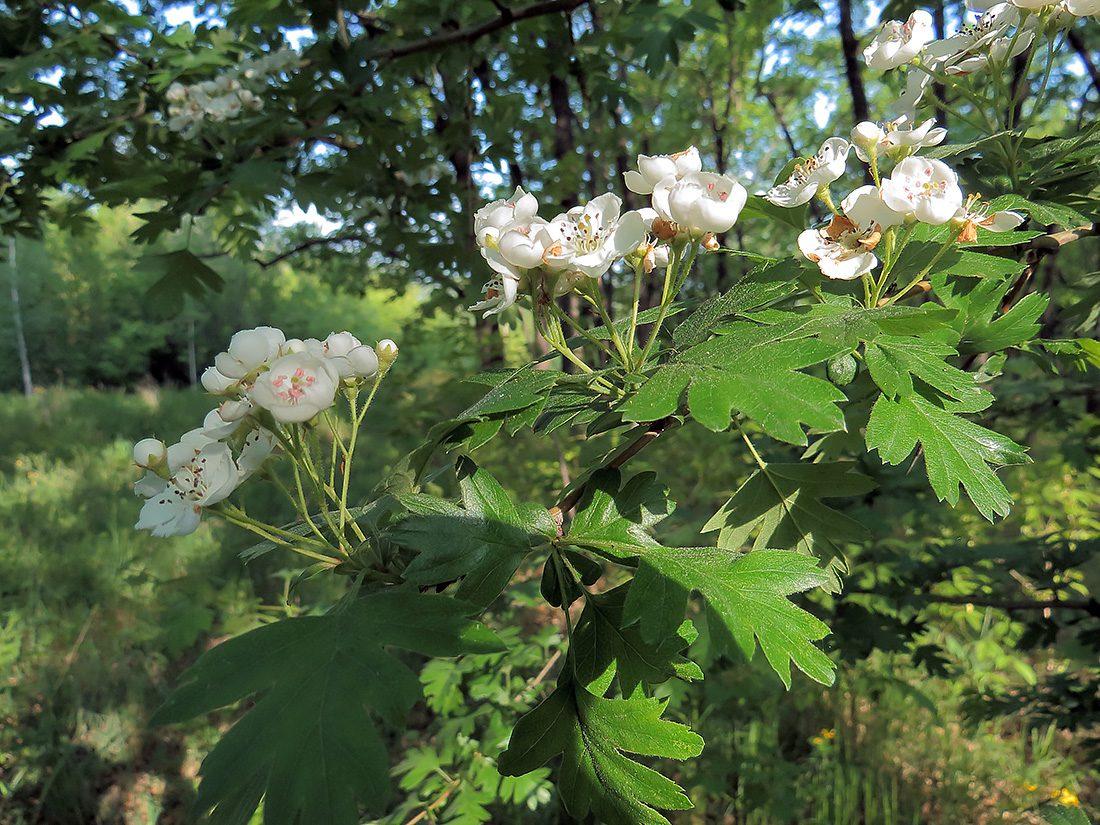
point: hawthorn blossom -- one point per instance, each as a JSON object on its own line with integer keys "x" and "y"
{"x": 807, "y": 178}
{"x": 296, "y": 387}
{"x": 893, "y": 140}
{"x": 1082, "y": 8}
{"x": 898, "y": 43}
{"x": 841, "y": 250}
{"x": 500, "y": 293}
{"x": 700, "y": 202}
{"x": 993, "y": 36}
{"x": 249, "y": 349}
{"x": 969, "y": 218}
{"x": 352, "y": 358}
{"x": 927, "y": 190}
{"x": 207, "y": 478}
{"x": 652, "y": 169}
{"x": 495, "y": 216}
{"x": 589, "y": 238}
{"x": 149, "y": 453}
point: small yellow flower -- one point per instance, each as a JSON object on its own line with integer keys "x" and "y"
{"x": 828, "y": 734}
{"x": 817, "y": 740}
{"x": 1067, "y": 797}
{"x": 1030, "y": 787}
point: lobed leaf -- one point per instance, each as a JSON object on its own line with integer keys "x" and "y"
{"x": 956, "y": 451}
{"x": 309, "y": 745}
{"x": 594, "y": 736}
{"x": 746, "y": 594}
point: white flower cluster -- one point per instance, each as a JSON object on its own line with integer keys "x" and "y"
{"x": 262, "y": 370}
{"x": 226, "y": 96}
{"x": 550, "y": 258}
{"x": 199, "y": 470}
{"x": 1000, "y": 33}
{"x": 918, "y": 190}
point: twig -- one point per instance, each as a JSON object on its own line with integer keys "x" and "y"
{"x": 302, "y": 247}
{"x": 473, "y": 33}
{"x": 655, "y": 429}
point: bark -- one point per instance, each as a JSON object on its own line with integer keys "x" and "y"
{"x": 852, "y": 66}
{"x": 17, "y": 319}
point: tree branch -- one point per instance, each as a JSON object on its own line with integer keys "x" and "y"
{"x": 655, "y": 428}
{"x": 312, "y": 242}
{"x": 472, "y": 33}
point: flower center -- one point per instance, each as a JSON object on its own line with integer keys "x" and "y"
{"x": 292, "y": 388}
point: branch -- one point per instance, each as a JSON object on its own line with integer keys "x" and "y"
{"x": 655, "y": 428}
{"x": 472, "y": 33}
{"x": 302, "y": 247}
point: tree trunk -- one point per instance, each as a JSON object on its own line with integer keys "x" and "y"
{"x": 17, "y": 318}
{"x": 850, "y": 45}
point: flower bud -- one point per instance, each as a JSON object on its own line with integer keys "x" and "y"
{"x": 150, "y": 453}
{"x": 387, "y": 353}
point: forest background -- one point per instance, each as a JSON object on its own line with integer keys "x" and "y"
{"x": 962, "y": 694}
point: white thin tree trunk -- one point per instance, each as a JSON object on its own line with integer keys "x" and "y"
{"x": 17, "y": 316}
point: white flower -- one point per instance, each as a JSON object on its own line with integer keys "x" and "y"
{"x": 991, "y": 37}
{"x": 894, "y": 140}
{"x": 971, "y": 217}
{"x": 149, "y": 453}
{"x": 207, "y": 478}
{"x": 296, "y": 387}
{"x": 820, "y": 170}
{"x": 652, "y": 169}
{"x": 249, "y": 350}
{"x": 258, "y": 445}
{"x": 867, "y": 209}
{"x": 1031, "y": 5}
{"x": 215, "y": 383}
{"x": 700, "y": 202}
{"x": 589, "y": 239}
{"x": 493, "y": 217}
{"x": 898, "y": 42}
{"x": 842, "y": 250}
{"x": 1083, "y": 8}
{"x": 352, "y": 358}
{"x": 500, "y": 293}
{"x": 927, "y": 190}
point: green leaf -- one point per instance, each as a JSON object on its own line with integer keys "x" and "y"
{"x": 181, "y": 274}
{"x": 309, "y": 744}
{"x": 1063, "y": 815}
{"x": 600, "y": 640}
{"x": 913, "y": 320}
{"x": 747, "y": 595}
{"x": 617, "y": 521}
{"x": 976, "y": 265}
{"x": 751, "y": 370}
{"x": 956, "y": 451}
{"x": 482, "y": 542}
{"x": 1018, "y": 325}
{"x": 594, "y": 736}
{"x": 893, "y": 361}
{"x": 781, "y": 503}
{"x": 756, "y": 289}
{"x": 512, "y": 390}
